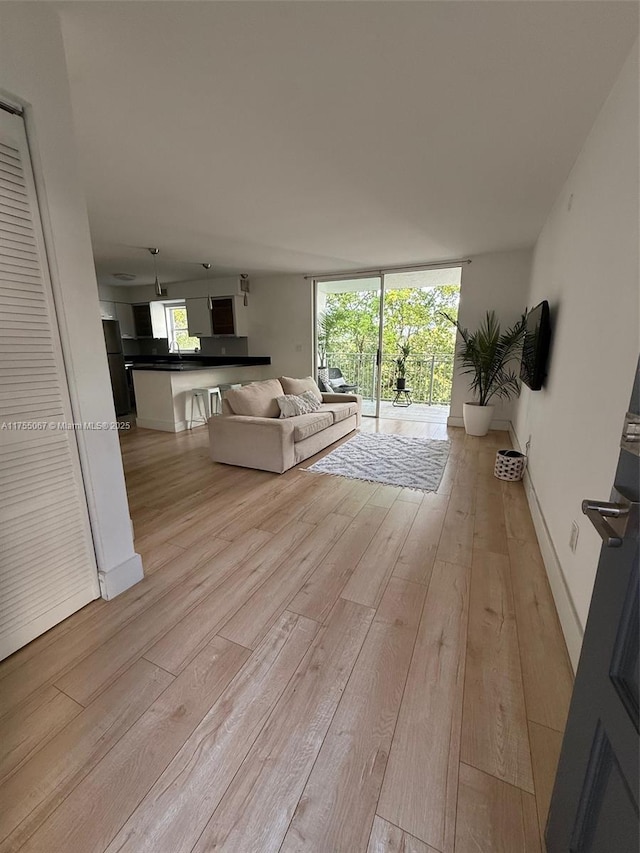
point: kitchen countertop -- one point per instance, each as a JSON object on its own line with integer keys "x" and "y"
{"x": 192, "y": 362}
{"x": 164, "y": 385}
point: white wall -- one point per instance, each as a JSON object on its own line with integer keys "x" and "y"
{"x": 281, "y": 316}
{"x": 586, "y": 265}
{"x": 498, "y": 281}
{"x": 107, "y": 293}
{"x": 281, "y": 321}
{"x": 33, "y": 71}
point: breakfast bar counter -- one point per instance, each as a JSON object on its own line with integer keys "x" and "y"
{"x": 163, "y": 386}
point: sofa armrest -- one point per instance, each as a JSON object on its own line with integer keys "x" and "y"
{"x": 342, "y": 398}
{"x": 264, "y": 443}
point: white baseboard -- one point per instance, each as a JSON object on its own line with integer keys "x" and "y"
{"x": 502, "y": 426}
{"x": 163, "y": 426}
{"x": 121, "y": 577}
{"x": 569, "y": 622}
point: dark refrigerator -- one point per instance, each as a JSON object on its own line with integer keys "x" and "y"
{"x": 117, "y": 369}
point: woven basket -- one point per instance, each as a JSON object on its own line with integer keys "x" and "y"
{"x": 509, "y": 465}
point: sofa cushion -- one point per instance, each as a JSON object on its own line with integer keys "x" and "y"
{"x": 308, "y": 425}
{"x": 257, "y": 400}
{"x": 297, "y": 386}
{"x": 340, "y": 411}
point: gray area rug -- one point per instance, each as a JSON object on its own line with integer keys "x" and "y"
{"x": 396, "y": 460}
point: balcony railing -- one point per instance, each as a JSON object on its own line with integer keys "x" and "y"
{"x": 429, "y": 375}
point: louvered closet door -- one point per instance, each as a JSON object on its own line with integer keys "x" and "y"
{"x": 47, "y": 563}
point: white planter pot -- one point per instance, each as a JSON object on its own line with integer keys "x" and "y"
{"x": 477, "y": 419}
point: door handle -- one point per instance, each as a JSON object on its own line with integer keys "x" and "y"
{"x": 599, "y": 513}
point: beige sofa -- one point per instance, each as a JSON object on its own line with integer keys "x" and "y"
{"x": 251, "y": 434}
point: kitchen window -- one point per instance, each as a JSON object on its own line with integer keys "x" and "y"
{"x": 177, "y": 329}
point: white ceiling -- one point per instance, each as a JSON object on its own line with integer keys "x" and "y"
{"x": 322, "y": 136}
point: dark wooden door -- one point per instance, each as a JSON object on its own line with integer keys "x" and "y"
{"x": 594, "y": 807}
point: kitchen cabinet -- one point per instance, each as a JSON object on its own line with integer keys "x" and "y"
{"x": 108, "y": 310}
{"x": 217, "y": 316}
{"x": 229, "y": 317}
{"x": 149, "y": 320}
{"x": 124, "y": 316}
{"x": 142, "y": 320}
{"x": 199, "y": 317}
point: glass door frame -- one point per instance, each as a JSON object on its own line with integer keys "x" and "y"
{"x": 380, "y": 274}
{"x": 372, "y": 274}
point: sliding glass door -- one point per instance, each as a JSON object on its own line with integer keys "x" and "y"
{"x": 348, "y": 328}
{"x": 418, "y": 342}
{"x": 385, "y": 336}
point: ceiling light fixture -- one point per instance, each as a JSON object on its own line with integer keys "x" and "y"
{"x": 124, "y": 276}
{"x": 245, "y": 287}
{"x": 207, "y": 266}
{"x": 156, "y": 284}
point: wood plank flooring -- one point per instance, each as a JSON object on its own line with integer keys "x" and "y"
{"x": 311, "y": 665}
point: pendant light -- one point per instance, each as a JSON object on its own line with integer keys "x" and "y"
{"x": 244, "y": 287}
{"x": 155, "y": 253}
{"x": 209, "y": 299}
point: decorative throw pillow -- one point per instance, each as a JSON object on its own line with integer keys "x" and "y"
{"x": 312, "y": 401}
{"x": 292, "y": 404}
{"x": 257, "y": 399}
{"x": 297, "y": 386}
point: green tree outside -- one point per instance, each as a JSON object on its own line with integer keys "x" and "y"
{"x": 178, "y": 329}
{"x": 349, "y": 329}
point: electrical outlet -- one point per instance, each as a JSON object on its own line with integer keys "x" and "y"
{"x": 223, "y": 350}
{"x": 573, "y": 538}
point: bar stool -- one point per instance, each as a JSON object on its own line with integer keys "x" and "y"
{"x": 202, "y": 397}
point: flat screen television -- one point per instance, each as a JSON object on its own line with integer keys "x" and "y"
{"x": 535, "y": 350}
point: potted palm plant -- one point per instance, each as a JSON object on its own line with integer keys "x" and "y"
{"x": 487, "y": 356}
{"x": 401, "y": 366}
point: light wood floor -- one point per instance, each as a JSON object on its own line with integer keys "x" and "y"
{"x": 311, "y": 664}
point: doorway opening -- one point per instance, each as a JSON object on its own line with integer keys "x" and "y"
{"x": 373, "y": 332}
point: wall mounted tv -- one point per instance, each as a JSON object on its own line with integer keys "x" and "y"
{"x": 535, "y": 350}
